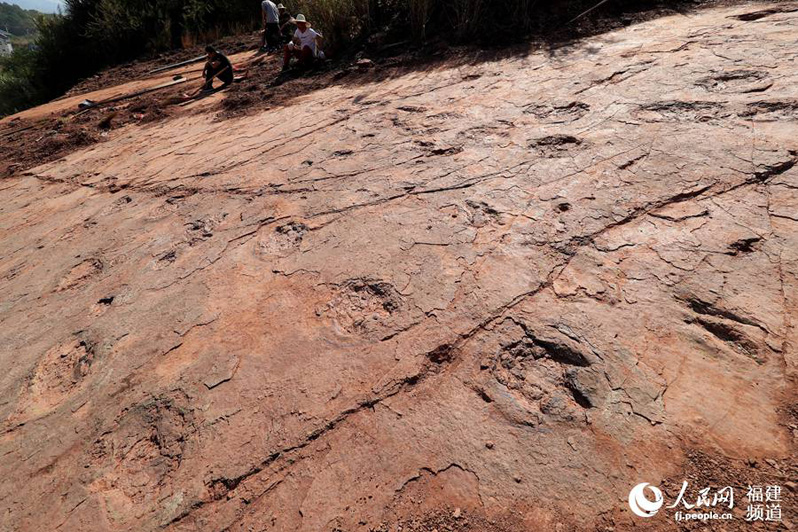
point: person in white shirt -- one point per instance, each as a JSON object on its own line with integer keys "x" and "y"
{"x": 305, "y": 46}
{"x": 271, "y": 25}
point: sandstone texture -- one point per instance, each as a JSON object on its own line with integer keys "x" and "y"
{"x": 493, "y": 295}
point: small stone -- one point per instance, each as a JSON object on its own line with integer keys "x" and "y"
{"x": 456, "y": 513}
{"x": 517, "y": 479}
{"x": 364, "y": 64}
{"x": 489, "y": 444}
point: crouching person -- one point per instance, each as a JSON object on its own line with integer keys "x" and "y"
{"x": 305, "y": 46}
{"x": 287, "y": 28}
{"x": 218, "y": 66}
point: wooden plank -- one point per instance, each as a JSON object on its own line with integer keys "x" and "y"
{"x": 178, "y": 65}
{"x": 5, "y": 134}
{"x": 137, "y": 93}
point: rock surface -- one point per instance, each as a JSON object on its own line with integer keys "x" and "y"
{"x": 497, "y": 295}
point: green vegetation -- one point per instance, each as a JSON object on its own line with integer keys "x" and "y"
{"x": 15, "y": 73}
{"x": 24, "y": 41}
{"x": 16, "y": 20}
{"x": 15, "y": 70}
{"x": 94, "y": 34}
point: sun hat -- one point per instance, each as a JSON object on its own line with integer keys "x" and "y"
{"x": 280, "y": 6}
{"x": 300, "y": 18}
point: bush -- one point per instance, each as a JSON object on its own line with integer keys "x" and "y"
{"x": 16, "y": 20}
{"x": 15, "y": 81}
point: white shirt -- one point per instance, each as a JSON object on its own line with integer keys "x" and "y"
{"x": 270, "y": 9}
{"x": 307, "y": 39}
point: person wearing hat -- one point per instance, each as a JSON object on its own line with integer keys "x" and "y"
{"x": 271, "y": 26}
{"x": 286, "y": 24}
{"x": 305, "y": 45}
{"x": 218, "y": 66}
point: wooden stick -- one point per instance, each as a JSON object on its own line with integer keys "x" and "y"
{"x": 586, "y": 12}
{"x": 176, "y": 65}
{"x": 5, "y": 134}
{"x": 134, "y": 94}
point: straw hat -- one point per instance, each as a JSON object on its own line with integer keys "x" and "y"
{"x": 300, "y": 18}
{"x": 280, "y": 6}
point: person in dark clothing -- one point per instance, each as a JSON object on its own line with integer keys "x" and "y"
{"x": 218, "y": 66}
{"x": 287, "y": 26}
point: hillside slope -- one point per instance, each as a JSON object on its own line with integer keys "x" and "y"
{"x": 493, "y": 295}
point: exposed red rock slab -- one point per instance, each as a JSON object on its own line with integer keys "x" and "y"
{"x": 491, "y": 297}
